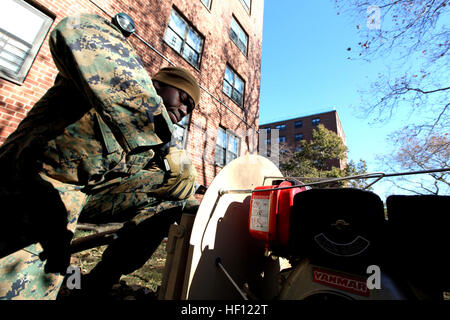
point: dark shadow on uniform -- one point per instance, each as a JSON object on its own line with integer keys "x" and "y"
{"x": 40, "y": 217}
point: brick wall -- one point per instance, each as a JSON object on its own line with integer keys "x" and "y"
{"x": 151, "y": 18}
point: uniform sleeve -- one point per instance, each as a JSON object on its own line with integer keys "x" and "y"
{"x": 103, "y": 66}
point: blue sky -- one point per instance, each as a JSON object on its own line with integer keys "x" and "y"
{"x": 305, "y": 70}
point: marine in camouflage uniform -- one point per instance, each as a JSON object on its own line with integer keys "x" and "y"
{"x": 95, "y": 144}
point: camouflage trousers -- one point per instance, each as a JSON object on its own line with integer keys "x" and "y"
{"x": 136, "y": 198}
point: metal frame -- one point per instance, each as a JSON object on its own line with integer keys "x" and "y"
{"x": 374, "y": 175}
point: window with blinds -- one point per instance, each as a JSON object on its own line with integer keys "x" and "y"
{"x": 22, "y": 31}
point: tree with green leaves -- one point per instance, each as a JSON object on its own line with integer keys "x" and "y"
{"x": 316, "y": 157}
{"x": 354, "y": 169}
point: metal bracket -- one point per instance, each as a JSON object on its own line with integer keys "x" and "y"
{"x": 221, "y": 267}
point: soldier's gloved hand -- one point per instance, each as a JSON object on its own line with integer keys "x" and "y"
{"x": 181, "y": 175}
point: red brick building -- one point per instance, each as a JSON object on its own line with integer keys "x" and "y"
{"x": 218, "y": 41}
{"x": 292, "y": 131}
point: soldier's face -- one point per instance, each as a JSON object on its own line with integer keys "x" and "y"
{"x": 176, "y": 101}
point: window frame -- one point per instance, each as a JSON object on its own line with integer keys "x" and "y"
{"x": 189, "y": 27}
{"x": 299, "y": 135}
{"x": 281, "y": 127}
{"x": 298, "y": 124}
{"x": 207, "y": 7}
{"x": 47, "y": 21}
{"x": 235, "y": 74}
{"x": 315, "y": 121}
{"x": 247, "y": 8}
{"x": 228, "y": 133}
{"x": 183, "y": 125}
{"x": 236, "y": 41}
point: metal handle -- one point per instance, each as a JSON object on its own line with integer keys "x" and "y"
{"x": 220, "y": 265}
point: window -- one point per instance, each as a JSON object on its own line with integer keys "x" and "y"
{"x": 280, "y": 127}
{"x": 247, "y": 4}
{"x": 22, "y": 30}
{"x": 298, "y": 124}
{"x": 298, "y": 149}
{"x": 268, "y": 141}
{"x": 238, "y": 35}
{"x": 315, "y": 121}
{"x": 282, "y": 139}
{"x": 227, "y": 147}
{"x": 298, "y": 137}
{"x": 184, "y": 39}
{"x": 180, "y": 133}
{"x": 233, "y": 86}
{"x": 207, "y": 3}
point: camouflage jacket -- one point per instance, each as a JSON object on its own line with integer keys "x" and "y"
{"x": 102, "y": 116}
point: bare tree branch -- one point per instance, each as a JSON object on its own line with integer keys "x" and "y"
{"x": 410, "y": 32}
{"x": 426, "y": 92}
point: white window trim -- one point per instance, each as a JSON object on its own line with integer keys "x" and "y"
{"x": 20, "y": 77}
{"x": 210, "y": 4}
{"x": 227, "y": 133}
{"x": 233, "y": 88}
{"x": 184, "y": 42}
{"x": 248, "y": 9}
{"x": 237, "y": 35}
{"x": 184, "y": 127}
